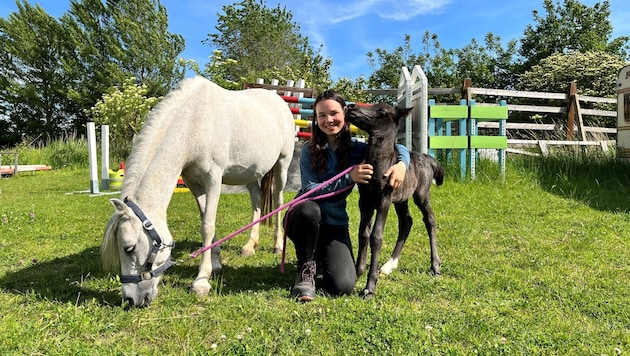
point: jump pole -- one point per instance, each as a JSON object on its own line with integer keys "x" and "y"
{"x": 105, "y": 157}
{"x": 91, "y": 136}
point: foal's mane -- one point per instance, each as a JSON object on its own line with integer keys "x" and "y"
{"x": 145, "y": 144}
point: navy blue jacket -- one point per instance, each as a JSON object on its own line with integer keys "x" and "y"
{"x": 333, "y": 209}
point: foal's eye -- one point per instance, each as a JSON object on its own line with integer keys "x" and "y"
{"x": 130, "y": 249}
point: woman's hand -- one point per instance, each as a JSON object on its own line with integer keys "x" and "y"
{"x": 396, "y": 174}
{"x": 362, "y": 173}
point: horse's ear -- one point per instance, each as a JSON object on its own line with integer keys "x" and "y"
{"x": 118, "y": 204}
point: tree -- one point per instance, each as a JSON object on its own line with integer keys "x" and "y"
{"x": 53, "y": 71}
{"x": 33, "y": 92}
{"x": 570, "y": 27}
{"x": 264, "y": 42}
{"x": 386, "y": 65}
{"x": 488, "y": 65}
{"x": 354, "y": 90}
{"x": 116, "y": 40}
{"x": 216, "y": 70}
{"x": 594, "y": 73}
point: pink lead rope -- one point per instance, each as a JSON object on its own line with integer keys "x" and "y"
{"x": 301, "y": 198}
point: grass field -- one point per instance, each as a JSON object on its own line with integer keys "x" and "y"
{"x": 538, "y": 264}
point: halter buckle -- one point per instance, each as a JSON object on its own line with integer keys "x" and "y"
{"x": 147, "y": 225}
{"x": 146, "y": 275}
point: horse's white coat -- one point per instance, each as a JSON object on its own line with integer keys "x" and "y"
{"x": 211, "y": 136}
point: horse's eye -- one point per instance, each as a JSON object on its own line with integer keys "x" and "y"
{"x": 130, "y": 249}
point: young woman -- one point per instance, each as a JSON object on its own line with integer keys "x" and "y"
{"x": 319, "y": 228}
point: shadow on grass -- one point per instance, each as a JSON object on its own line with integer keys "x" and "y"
{"x": 63, "y": 279}
{"x": 78, "y": 278}
{"x": 246, "y": 275}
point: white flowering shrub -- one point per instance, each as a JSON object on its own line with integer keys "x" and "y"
{"x": 124, "y": 109}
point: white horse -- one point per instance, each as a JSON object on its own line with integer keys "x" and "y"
{"x": 210, "y": 136}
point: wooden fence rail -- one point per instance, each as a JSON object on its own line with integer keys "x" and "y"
{"x": 570, "y": 103}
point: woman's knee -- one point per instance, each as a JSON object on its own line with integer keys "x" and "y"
{"x": 341, "y": 285}
{"x": 303, "y": 220}
{"x": 306, "y": 211}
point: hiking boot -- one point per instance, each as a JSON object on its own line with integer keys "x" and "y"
{"x": 304, "y": 288}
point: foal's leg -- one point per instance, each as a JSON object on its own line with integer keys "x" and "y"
{"x": 405, "y": 221}
{"x": 255, "y": 197}
{"x": 376, "y": 243}
{"x": 423, "y": 202}
{"x": 210, "y": 260}
{"x": 365, "y": 230}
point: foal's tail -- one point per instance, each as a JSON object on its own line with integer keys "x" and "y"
{"x": 438, "y": 172}
{"x": 266, "y": 201}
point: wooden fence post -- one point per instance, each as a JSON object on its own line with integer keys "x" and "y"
{"x": 571, "y": 110}
{"x": 466, "y": 93}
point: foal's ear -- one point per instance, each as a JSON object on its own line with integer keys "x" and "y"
{"x": 401, "y": 113}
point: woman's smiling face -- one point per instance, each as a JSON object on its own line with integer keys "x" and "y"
{"x": 330, "y": 117}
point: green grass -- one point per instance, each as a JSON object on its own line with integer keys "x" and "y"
{"x": 536, "y": 265}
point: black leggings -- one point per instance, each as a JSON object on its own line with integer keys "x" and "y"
{"x": 329, "y": 245}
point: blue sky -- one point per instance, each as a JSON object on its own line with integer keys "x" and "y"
{"x": 349, "y": 29}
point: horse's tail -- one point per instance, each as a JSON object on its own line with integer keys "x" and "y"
{"x": 266, "y": 201}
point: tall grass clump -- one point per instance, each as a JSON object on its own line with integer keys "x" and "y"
{"x": 68, "y": 152}
{"x": 29, "y": 152}
{"x": 589, "y": 175}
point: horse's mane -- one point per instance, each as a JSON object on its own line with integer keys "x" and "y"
{"x": 109, "y": 246}
{"x": 152, "y": 131}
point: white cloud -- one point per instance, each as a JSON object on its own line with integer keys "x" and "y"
{"x": 317, "y": 17}
{"x": 406, "y": 10}
{"x": 331, "y": 12}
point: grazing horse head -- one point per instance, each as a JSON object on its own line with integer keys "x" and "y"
{"x": 132, "y": 247}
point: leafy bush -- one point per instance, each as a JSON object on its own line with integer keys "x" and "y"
{"x": 124, "y": 110}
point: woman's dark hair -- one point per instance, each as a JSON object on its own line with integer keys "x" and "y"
{"x": 319, "y": 140}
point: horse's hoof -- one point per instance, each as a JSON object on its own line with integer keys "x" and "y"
{"x": 246, "y": 252}
{"x": 367, "y": 295}
{"x": 201, "y": 287}
{"x": 277, "y": 250}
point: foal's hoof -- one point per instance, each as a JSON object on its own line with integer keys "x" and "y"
{"x": 435, "y": 270}
{"x": 389, "y": 267}
{"x": 277, "y": 250}
{"x": 367, "y": 295}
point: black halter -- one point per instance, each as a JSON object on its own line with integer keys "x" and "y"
{"x": 149, "y": 272}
